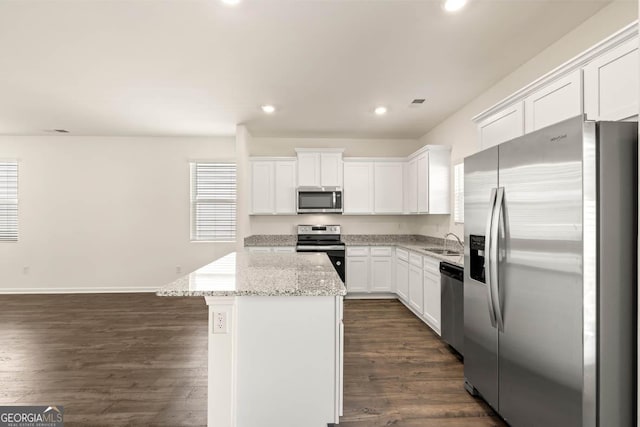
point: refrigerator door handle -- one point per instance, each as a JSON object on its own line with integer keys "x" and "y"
{"x": 495, "y": 286}
{"x": 487, "y": 257}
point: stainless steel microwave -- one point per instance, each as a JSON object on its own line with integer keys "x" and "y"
{"x": 319, "y": 200}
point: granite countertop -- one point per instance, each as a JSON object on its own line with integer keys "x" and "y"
{"x": 413, "y": 242}
{"x": 250, "y": 274}
{"x": 271, "y": 240}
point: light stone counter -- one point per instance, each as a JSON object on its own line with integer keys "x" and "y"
{"x": 251, "y": 274}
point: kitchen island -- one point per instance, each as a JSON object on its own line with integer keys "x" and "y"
{"x": 275, "y": 338}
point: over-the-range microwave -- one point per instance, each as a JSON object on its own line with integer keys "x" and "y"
{"x": 319, "y": 200}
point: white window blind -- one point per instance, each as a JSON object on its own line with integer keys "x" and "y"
{"x": 8, "y": 201}
{"x": 458, "y": 196}
{"x": 213, "y": 201}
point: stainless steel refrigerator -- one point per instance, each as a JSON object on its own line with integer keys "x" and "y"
{"x": 550, "y": 275}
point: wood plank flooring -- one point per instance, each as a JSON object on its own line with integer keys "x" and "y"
{"x": 141, "y": 360}
{"x": 399, "y": 373}
{"x": 109, "y": 359}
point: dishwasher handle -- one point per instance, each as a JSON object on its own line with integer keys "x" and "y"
{"x": 451, "y": 270}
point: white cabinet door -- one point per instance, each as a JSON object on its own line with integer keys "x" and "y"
{"x": 432, "y": 299}
{"x": 285, "y": 187}
{"x": 357, "y": 274}
{"x": 416, "y": 297}
{"x": 402, "y": 279}
{"x": 558, "y": 101}
{"x": 611, "y": 84}
{"x": 331, "y": 169}
{"x": 262, "y": 186}
{"x": 440, "y": 181}
{"x": 381, "y": 274}
{"x": 388, "y": 187}
{"x": 357, "y": 197}
{"x": 502, "y": 126}
{"x": 308, "y": 169}
{"x": 412, "y": 186}
{"x": 423, "y": 183}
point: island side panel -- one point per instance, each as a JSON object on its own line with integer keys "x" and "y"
{"x": 286, "y": 361}
{"x": 222, "y": 363}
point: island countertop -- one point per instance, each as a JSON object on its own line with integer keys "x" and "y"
{"x": 257, "y": 274}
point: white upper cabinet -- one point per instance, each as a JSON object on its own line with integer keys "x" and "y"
{"x": 555, "y": 102}
{"x": 611, "y": 84}
{"x": 319, "y": 168}
{"x": 357, "y": 194}
{"x": 273, "y": 186}
{"x": 502, "y": 126}
{"x": 285, "y": 187}
{"x": 331, "y": 169}
{"x": 602, "y": 83}
{"x": 439, "y": 181}
{"x": 309, "y": 169}
{"x": 388, "y": 184}
{"x": 423, "y": 183}
{"x": 262, "y": 187}
{"x": 412, "y": 186}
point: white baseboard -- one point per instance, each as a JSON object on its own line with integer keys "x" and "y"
{"x": 98, "y": 290}
{"x": 373, "y": 295}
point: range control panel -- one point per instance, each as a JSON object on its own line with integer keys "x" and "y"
{"x": 318, "y": 229}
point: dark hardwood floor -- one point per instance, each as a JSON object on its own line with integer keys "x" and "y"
{"x": 141, "y": 360}
{"x": 397, "y": 372}
{"x": 109, "y": 359}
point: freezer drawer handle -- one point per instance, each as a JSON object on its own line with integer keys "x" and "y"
{"x": 495, "y": 286}
{"x": 487, "y": 256}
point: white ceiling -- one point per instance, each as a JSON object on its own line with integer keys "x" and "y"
{"x": 196, "y": 67}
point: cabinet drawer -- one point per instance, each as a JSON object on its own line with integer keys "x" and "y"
{"x": 357, "y": 251}
{"x": 432, "y": 265}
{"x": 284, "y": 249}
{"x": 415, "y": 259}
{"x": 402, "y": 254}
{"x": 380, "y": 251}
{"x": 259, "y": 249}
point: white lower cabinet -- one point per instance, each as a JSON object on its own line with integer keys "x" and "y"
{"x": 370, "y": 270}
{"x": 431, "y": 289}
{"x": 402, "y": 279}
{"x": 357, "y": 269}
{"x": 381, "y": 270}
{"x": 416, "y": 292}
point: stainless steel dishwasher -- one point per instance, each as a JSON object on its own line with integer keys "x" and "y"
{"x": 452, "y": 305}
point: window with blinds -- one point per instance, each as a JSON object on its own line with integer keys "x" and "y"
{"x": 213, "y": 201}
{"x": 458, "y": 190}
{"x": 8, "y": 201}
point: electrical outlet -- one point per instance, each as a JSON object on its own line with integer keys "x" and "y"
{"x": 178, "y": 270}
{"x": 220, "y": 322}
{"x": 26, "y": 269}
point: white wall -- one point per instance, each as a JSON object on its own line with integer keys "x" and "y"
{"x": 391, "y": 224}
{"x": 104, "y": 213}
{"x": 460, "y": 132}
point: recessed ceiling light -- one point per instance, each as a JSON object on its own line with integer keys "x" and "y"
{"x": 454, "y": 5}
{"x": 269, "y": 109}
{"x": 380, "y": 110}
{"x": 231, "y": 2}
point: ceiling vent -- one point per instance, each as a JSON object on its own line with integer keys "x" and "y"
{"x": 57, "y": 131}
{"x": 418, "y": 101}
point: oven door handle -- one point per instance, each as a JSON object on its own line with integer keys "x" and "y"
{"x": 319, "y": 248}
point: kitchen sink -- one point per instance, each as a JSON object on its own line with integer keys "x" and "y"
{"x": 440, "y": 251}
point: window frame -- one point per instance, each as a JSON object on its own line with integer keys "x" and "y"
{"x": 194, "y": 202}
{"x": 6, "y": 201}
{"x": 458, "y": 193}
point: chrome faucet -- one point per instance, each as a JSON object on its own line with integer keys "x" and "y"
{"x": 456, "y": 237}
